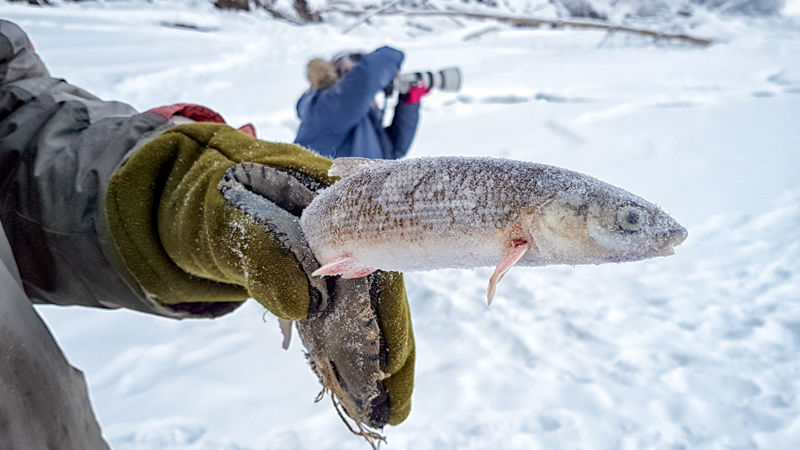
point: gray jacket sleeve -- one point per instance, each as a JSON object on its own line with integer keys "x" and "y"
{"x": 43, "y": 400}
{"x": 59, "y": 145}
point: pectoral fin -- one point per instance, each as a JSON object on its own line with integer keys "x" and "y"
{"x": 286, "y": 329}
{"x": 513, "y": 255}
{"x": 346, "y": 266}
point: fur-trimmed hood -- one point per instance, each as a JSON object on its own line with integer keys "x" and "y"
{"x": 321, "y": 73}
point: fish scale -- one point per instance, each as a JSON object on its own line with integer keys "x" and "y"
{"x": 418, "y": 197}
{"x": 417, "y": 191}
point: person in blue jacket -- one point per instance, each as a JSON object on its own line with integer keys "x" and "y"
{"x": 338, "y": 113}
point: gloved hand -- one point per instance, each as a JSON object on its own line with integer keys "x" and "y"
{"x": 414, "y": 94}
{"x": 206, "y": 213}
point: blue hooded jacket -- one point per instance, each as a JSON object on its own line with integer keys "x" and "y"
{"x": 341, "y": 121}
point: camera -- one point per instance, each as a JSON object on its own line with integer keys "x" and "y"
{"x": 448, "y": 79}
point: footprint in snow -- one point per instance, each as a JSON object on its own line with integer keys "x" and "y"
{"x": 789, "y": 80}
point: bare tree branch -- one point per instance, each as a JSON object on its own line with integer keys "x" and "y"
{"x": 367, "y": 15}
{"x": 531, "y": 22}
{"x": 267, "y": 5}
{"x": 305, "y": 13}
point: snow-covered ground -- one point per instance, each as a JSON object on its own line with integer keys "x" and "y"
{"x": 698, "y": 350}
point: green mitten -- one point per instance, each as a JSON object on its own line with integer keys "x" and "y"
{"x": 205, "y": 213}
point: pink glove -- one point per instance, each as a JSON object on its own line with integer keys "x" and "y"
{"x": 415, "y": 94}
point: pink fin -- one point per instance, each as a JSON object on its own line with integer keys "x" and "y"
{"x": 342, "y": 264}
{"x": 513, "y": 255}
{"x": 346, "y": 266}
{"x": 286, "y": 329}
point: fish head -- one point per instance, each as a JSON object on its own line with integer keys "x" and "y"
{"x": 601, "y": 223}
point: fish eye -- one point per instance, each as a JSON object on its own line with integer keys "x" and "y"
{"x": 630, "y": 219}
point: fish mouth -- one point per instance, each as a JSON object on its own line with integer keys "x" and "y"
{"x": 674, "y": 238}
{"x": 677, "y": 236}
{"x": 669, "y": 250}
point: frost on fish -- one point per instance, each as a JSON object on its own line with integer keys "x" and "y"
{"x": 456, "y": 212}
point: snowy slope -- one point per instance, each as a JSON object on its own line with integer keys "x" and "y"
{"x": 699, "y": 350}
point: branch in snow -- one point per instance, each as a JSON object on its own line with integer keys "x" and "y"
{"x": 534, "y": 22}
